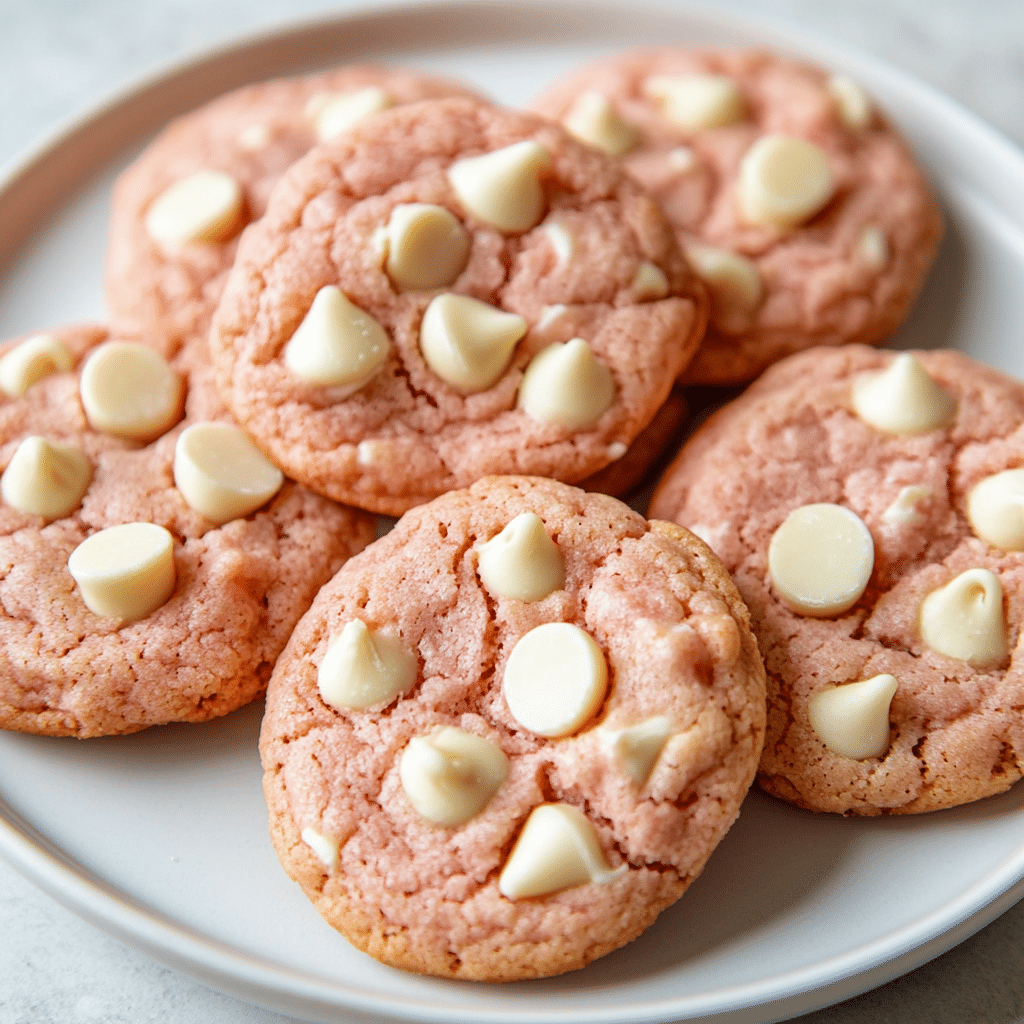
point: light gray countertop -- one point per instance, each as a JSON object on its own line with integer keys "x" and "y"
{"x": 58, "y": 58}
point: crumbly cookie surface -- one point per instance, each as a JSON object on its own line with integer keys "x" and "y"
{"x": 956, "y": 726}
{"x": 428, "y": 897}
{"x": 847, "y": 273}
{"x": 240, "y": 586}
{"x": 407, "y": 435}
{"x": 252, "y": 134}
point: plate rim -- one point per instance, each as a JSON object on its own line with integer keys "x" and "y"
{"x": 244, "y": 975}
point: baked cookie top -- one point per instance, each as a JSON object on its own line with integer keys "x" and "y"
{"x": 451, "y": 290}
{"x": 178, "y": 209}
{"x": 795, "y": 200}
{"x": 511, "y": 731}
{"x": 151, "y": 567}
{"x": 867, "y": 504}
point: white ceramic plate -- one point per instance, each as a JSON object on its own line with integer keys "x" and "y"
{"x": 160, "y": 838}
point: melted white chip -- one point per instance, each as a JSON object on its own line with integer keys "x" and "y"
{"x": 503, "y": 188}
{"x": 204, "y": 207}
{"x": 638, "y": 748}
{"x": 335, "y": 112}
{"x": 558, "y": 848}
{"x": 995, "y": 508}
{"x": 783, "y": 181}
{"x": 337, "y": 342}
{"x": 903, "y": 398}
{"x": 852, "y": 103}
{"x": 129, "y": 390}
{"x": 254, "y": 137}
{"x": 649, "y": 281}
{"x": 682, "y": 159}
{"x": 427, "y": 246}
{"x": 853, "y": 720}
{"x": 594, "y": 120}
{"x": 522, "y": 562}
{"x": 561, "y": 240}
{"x": 451, "y": 775}
{"x": 125, "y": 572}
{"x": 820, "y": 559}
{"x": 46, "y": 478}
{"x": 965, "y": 620}
{"x": 734, "y": 283}
{"x": 31, "y": 360}
{"x": 365, "y": 670}
{"x": 221, "y": 473}
{"x": 697, "y": 102}
{"x": 565, "y": 384}
{"x": 872, "y": 246}
{"x": 617, "y": 449}
{"x": 468, "y": 343}
{"x": 555, "y": 679}
{"x": 325, "y": 849}
{"x": 904, "y": 509}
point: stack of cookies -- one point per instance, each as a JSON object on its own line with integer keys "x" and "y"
{"x": 508, "y": 733}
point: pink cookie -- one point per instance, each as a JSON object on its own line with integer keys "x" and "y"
{"x": 165, "y": 275}
{"x": 862, "y": 502}
{"x": 793, "y": 197}
{"x": 181, "y": 618}
{"x": 457, "y": 807}
{"x": 539, "y": 331}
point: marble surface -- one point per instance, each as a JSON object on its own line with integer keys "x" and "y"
{"x": 58, "y": 58}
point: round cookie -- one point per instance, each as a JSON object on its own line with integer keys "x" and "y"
{"x": 800, "y": 245}
{"x": 612, "y": 696}
{"x": 167, "y": 258}
{"x": 886, "y": 589}
{"x": 539, "y": 334}
{"x": 179, "y": 614}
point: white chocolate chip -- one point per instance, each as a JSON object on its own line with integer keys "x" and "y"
{"x": 46, "y": 478}
{"x": 555, "y": 679}
{"x": 31, "y": 360}
{"x": 468, "y": 343}
{"x": 503, "y": 188}
{"x": 617, "y": 449}
{"x": 649, "y": 281}
{"x": 337, "y": 342}
{"x": 254, "y": 137}
{"x": 221, "y": 473}
{"x": 130, "y": 391}
{"x": 558, "y": 848}
{"x": 734, "y": 283}
{"x": 204, "y": 207}
{"x": 125, "y": 572}
{"x": 820, "y": 559}
{"x": 365, "y": 670}
{"x": 549, "y": 314}
{"x": 904, "y": 509}
{"x": 902, "y": 399}
{"x": 522, "y": 562}
{"x": 783, "y": 181}
{"x": 965, "y": 620}
{"x": 698, "y": 102}
{"x": 682, "y": 159}
{"x": 451, "y": 775}
{"x": 995, "y": 508}
{"x": 565, "y": 384}
{"x": 638, "y": 748}
{"x": 561, "y": 240}
{"x": 325, "y": 849}
{"x": 595, "y": 122}
{"x": 335, "y": 112}
{"x": 427, "y": 247}
{"x": 852, "y": 103}
{"x": 872, "y": 246}
{"x": 853, "y": 720}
